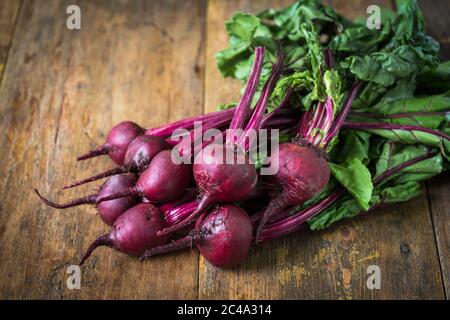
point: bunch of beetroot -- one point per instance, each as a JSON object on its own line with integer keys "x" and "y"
{"x": 180, "y": 185}
{"x": 151, "y": 197}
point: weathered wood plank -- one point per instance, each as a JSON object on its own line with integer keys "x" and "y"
{"x": 438, "y": 195}
{"x": 8, "y": 15}
{"x": 62, "y": 91}
{"x": 439, "y": 188}
{"x": 330, "y": 264}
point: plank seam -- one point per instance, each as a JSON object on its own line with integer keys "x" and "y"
{"x": 430, "y": 210}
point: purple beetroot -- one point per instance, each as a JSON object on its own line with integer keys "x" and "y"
{"x": 162, "y": 181}
{"x": 117, "y": 141}
{"x": 219, "y": 181}
{"x": 303, "y": 172}
{"x": 133, "y": 232}
{"x": 223, "y": 237}
{"x": 303, "y": 167}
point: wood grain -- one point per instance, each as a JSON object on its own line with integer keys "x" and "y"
{"x": 62, "y": 91}
{"x": 439, "y": 188}
{"x": 153, "y": 62}
{"x": 330, "y": 264}
{"x": 8, "y": 16}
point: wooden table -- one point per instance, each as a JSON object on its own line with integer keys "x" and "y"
{"x": 153, "y": 62}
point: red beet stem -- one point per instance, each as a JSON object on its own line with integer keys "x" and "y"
{"x": 90, "y": 199}
{"x": 401, "y": 166}
{"x": 397, "y": 115}
{"x": 179, "y": 213}
{"x": 204, "y": 203}
{"x": 392, "y": 126}
{"x": 338, "y": 122}
{"x": 243, "y": 108}
{"x": 188, "y": 123}
{"x": 279, "y": 110}
{"x": 255, "y": 120}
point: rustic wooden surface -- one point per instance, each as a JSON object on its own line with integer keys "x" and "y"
{"x": 439, "y": 188}
{"x": 153, "y": 62}
{"x": 8, "y": 15}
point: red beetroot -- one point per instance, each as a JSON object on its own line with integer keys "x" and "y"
{"x": 137, "y": 158}
{"x": 133, "y": 232}
{"x": 303, "y": 172}
{"x": 303, "y": 168}
{"x": 117, "y": 142}
{"x": 223, "y": 237}
{"x": 219, "y": 181}
{"x": 162, "y": 181}
{"x": 109, "y": 211}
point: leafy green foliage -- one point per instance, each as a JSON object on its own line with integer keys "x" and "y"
{"x": 394, "y": 154}
{"x": 404, "y": 85}
{"x": 355, "y": 177}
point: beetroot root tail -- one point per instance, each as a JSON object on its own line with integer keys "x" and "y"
{"x": 94, "y": 153}
{"x": 100, "y": 241}
{"x": 90, "y": 199}
{"x": 99, "y": 176}
{"x": 133, "y": 191}
{"x": 183, "y": 243}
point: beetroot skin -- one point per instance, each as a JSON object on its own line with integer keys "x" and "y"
{"x": 221, "y": 182}
{"x": 142, "y": 150}
{"x": 109, "y": 211}
{"x": 162, "y": 181}
{"x": 303, "y": 172}
{"x": 133, "y": 232}
{"x": 228, "y": 234}
{"x": 117, "y": 142}
{"x": 223, "y": 237}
